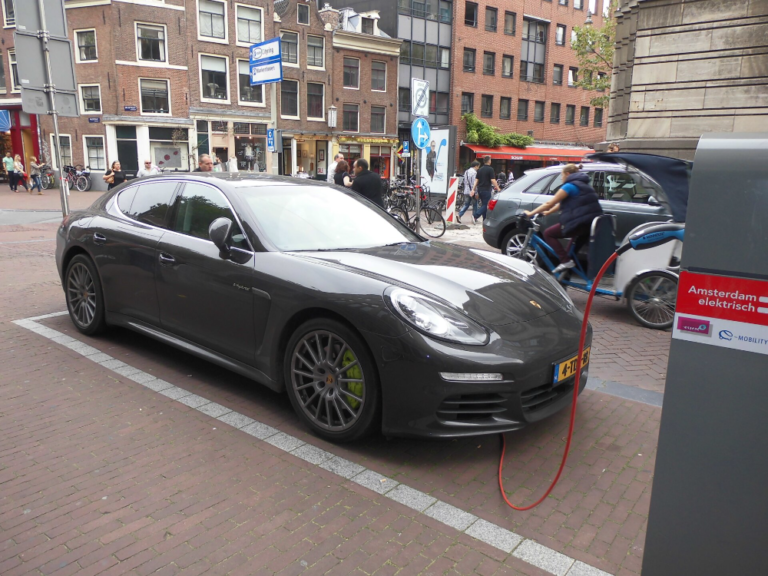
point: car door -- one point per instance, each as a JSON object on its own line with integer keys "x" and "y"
{"x": 124, "y": 246}
{"x": 629, "y": 202}
{"x": 205, "y": 296}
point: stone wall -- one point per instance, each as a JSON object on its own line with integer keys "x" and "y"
{"x": 686, "y": 67}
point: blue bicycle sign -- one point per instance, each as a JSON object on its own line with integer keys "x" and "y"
{"x": 420, "y": 133}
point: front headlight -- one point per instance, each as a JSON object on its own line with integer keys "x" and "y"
{"x": 435, "y": 319}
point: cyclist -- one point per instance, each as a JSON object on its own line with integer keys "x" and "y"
{"x": 579, "y": 205}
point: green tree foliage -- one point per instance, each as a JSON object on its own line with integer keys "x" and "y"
{"x": 594, "y": 48}
{"x": 479, "y": 132}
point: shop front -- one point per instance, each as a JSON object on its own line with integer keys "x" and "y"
{"x": 166, "y": 146}
{"x": 506, "y": 158}
{"x": 305, "y": 153}
{"x": 233, "y": 145}
{"x": 380, "y": 152}
{"x": 19, "y": 133}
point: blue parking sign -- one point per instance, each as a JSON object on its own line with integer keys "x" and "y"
{"x": 406, "y": 147}
{"x": 420, "y": 133}
{"x": 271, "y": 139}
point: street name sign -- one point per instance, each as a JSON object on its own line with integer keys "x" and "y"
{"x": 266, "y": 64}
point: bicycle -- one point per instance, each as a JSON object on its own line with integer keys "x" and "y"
{"x": 47, "y": 178}
{"x": 78, "y": 177}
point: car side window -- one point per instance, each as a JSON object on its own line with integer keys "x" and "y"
{"x": 555, "y": 185}
{"x": 621, "y": 187}
{"x": 150, "y": 202}
{"x": 597, "y": 181}
{"x": 125, "y": 199}
{"x": 198, "y": 206}
{"x": 540, "y": 186}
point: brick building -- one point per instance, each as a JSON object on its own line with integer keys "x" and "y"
{"x": 513, "y": 66}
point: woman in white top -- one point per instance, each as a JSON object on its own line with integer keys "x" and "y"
{"x": 18, "y": 169}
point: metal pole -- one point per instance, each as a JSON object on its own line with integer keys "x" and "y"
{"x": 51, "y": 90}
{"x": 275, "y": 157}
{"x": 418, "y": 183}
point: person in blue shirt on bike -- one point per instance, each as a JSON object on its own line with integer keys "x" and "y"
{"x": 579, "y": 205}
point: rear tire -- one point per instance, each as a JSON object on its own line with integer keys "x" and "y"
{"x": 84, "y": 295}
{"x": 47, "y": 181}
{"x": 432, "y": 223}
{"x": 400, "y": 214}
{"x": 81, "y": 183}
{"x": 513, "y": 242}
{"x": 651, "y": 299}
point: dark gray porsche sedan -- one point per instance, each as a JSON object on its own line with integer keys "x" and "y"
{"x": 310, "y": 288}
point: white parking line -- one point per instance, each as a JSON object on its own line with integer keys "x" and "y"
{"x": 505, "y": 540}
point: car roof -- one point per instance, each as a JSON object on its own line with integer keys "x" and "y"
{"x": 585, "y": 167}
{"x": 240, "y": 179}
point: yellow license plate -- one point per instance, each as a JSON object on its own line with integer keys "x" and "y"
{"x": 567, "y": 368}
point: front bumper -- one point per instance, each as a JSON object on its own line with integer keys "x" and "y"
{"x": 418, "y": 402}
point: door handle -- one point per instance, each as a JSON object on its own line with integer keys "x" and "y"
{"x": 167, "y": 259}
{"x": 99, "y": 238}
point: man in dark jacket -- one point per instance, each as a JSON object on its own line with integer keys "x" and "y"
{"x": 579, "y": 205}
{"x": 367, "y": 183}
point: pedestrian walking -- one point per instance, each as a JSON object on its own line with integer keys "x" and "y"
{"x": 501, "y": 178}
{"x": 148, "y": 169}
{"x": 205, "y": 164}
{"x": 114, "y": 176}
{"x": 332, "y": 168}
{"x": 469, "y": 184}
{"x": 341, "y": 175}
{"x": 367, "y": 183}
{"x": 8, "y": 167}
{"x": 19, "y": 174}
{"x": 510, "y": 176}
{"x": 485, "y": 184}
{"x": 34, "y": 175}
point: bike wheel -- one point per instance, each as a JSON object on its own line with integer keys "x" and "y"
{"x": 47, "y": 181}
{"x": 410, "y": 203}
{"x": 432, "y": 223}
{"x": 90, "y": 183}
{"x": 399, "y": 214}
{"x": 651, "y": 299}
{"x": 81, "y": 183}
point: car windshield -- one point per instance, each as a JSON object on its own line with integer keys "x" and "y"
{"x": 310, "y": 218}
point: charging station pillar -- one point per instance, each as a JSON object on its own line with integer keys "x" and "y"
{"x": 709, "y": 504}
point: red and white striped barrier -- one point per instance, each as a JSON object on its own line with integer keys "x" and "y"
{"x": 453, "y": 188}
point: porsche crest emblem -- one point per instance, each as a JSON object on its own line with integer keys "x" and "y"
{"x": 534, "y": 303}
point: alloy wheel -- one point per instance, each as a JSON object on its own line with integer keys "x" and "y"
{"x": 81, "y": 294}
{"x": 328, "y": 380}
{"x": 514, "y": 248}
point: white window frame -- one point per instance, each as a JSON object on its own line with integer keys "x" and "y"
{"x": 309, "y": 15}
{"x": 54, "y": 163}
{"x": 83, "y": 111}
{"x": 9, "y": 74}
{"x": 3, "y": 89}
{"x": 316, "y": 118}
{"x": 324, "y": 58}
{"x": 242, "y": 102}
{"x": 202, "y": 38}
{"x": 298, "y": 48}
{"x": 371, "y": 116}
{"x": 5, "y": 17}
{"x": 170, "y": 102}
{"x": 158, "y": 63}
{"x": 359, "y": 75}
{"x": 85, "y": 151}
{"x": 250, "y": 7}
{"x": 77, "y": 46}
{"x": 358, "y": 118}
{"x": 229, "y": 77}
{"x": 298, "y": 101}
{"x": 386, "y": 75}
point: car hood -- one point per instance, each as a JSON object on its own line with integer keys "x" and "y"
{"x": 490, "y": 288}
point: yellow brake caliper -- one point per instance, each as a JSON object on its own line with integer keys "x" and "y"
{"x": 355, "y": 373}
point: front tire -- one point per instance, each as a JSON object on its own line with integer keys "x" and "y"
{"x": 46, "y": 181}
{"x": 332, "y": 381}
{"x": 651, "y": 299}
{"x": 85, "y": 299}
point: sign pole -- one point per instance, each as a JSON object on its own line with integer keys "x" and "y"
{"x": 51, "y": 89}
{"x": 273, "y": 121}
{"x": 418, "y": 194}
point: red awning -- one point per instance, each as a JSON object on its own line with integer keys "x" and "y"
{"x": 531, "y": 153}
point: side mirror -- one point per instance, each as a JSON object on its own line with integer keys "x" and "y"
{"x": 219, "y": 231}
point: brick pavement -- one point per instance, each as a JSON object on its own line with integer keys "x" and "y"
{"x": 172, "y": 461}
{"x": 50, "y": 200}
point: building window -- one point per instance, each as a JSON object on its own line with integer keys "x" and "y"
{"x": 573, "y": 76}
{"x": 289, "y": 98}
{"x": 573, "y": 37}
{"x": 214, "y": 76}
{"x": 405, "y": 53}
{"x": 507, "y": 66}
{"x": 600, "y": 79}
{"x": 505, "y": 112}
{"x": 378, "y": 119}
{"x": 91, "y": 98}
{"x": 487, "y": 106}
{"x": 212, "y": 19}
{"x": 351, "y": 73}
{"x": 248, "y": 25}
{"x": 538, "y": 112}
{"x": 315, "y": 51}
{"x": 151, "y": 41}
{"x": 351, "y": 118}
{"x": 510, "y": 23}
{"x": 563, "y": 2}
{"x": 378, "y": 76}
{"x": 578, "y": 4}
{"x": 489, "y": 63}
{"x": 247, "y": 93}
{"x": 469, "y": 60}
{"x": 557, "y": 75}
{"x": 570, "y": 114}
{"x": 446, "y": 11}
{"x": 533, "y": 53}
{"x": 289, "y": 46}
{"x": 491, "y": 19}
{"x": 404, "y": 99}
{"x": 554, "y": 113}
{"x": 315, "y": 100}
{"x": 169, "y": 148}
{"x": 470, "y": 14}
{"x": 367, "y": 26}
{"x": 445, "y": 58}
{"x": 302, "y": 14}
{"x": 86, "y": 45}
{"x": 154, "y": 97}
{"x": 65, "y": 149}
{"x": 9, "y": 13}
{"x": 14, "y": 71}
{"x": 598, "y": 117}
{"x": 94, "y": 150}
{"x": 438, "y": 102}
{"x": 2, "y": 74}
{"x": 417, "y": 54}
{"x": 467, "y": 102}
{"x": 522, "y": 109}
{"x": 584, "y": 116}
{"x": 560, "y": 35}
